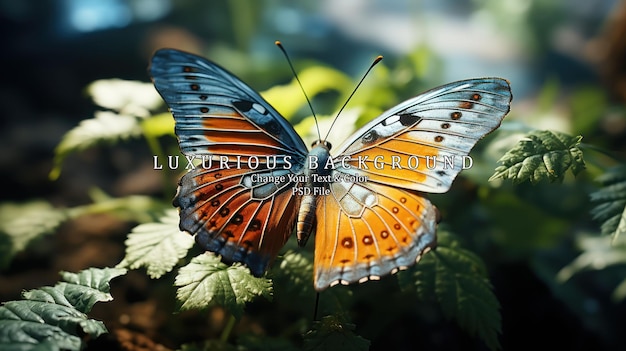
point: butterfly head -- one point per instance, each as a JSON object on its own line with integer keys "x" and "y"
{"x": 322, "y": 143}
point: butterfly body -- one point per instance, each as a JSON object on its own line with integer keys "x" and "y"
{"x": 365, "y": 204}
{"x": 315, "y": 183}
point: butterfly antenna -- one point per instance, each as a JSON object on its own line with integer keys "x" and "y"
{"x": 280, "y": 46}
{"x": 376, "y": 60}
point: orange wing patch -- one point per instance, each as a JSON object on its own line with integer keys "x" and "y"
{"x": 390, "y": 233}
{"x": 212, "y": 129}
{"x": 225, "y": 218}
{"x": 406, "y": 161}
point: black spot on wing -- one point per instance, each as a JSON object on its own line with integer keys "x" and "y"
{"x": 243, "y": 105}
{"x": 408, "y": 119}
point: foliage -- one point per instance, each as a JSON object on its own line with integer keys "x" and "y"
{"x": 295, "y": 273}
{"x": 105, "y": 126}
{"x": 319, "y": 79}
{"x": 541, "y": 155}
{"x": 54, "y": 317}
{"x": 156, "y": 246}
{"x": 206, "y": 281}
{"x": 453, "y": 276}
{"x": 22, "y": 223}
{"x": 332, "y": 334}
{"x": 127, "y": 105}
{"x": 457, "y": 279}
{"x": 610, "y": 202}
{"x": 598, "y": 253}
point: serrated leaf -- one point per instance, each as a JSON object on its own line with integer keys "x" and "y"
{"x": 78, "y": 290}
{"x": 30, "y": 335}
{"x": 106, "y": 126}
{"x": 157, "y": 246}
{"x": 53, "y": 318}
{"x": 63, "y": 317}
{"x": 541, "y": 155}
{"x": 610, "y": 202}
{"x": 458, "y": 280}
{"x": 89, "y": 286}
{"x": 22, "y": 223}
{"x": 206, "y": 280}
{"x": 332, "y": 334}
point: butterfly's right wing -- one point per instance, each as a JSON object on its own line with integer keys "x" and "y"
{"x": 445, "y": 123}
{"x": 367, "y": 230}
{"x": 380, "y": 223}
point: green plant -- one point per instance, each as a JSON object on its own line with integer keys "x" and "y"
{"x": 453, "y": 277}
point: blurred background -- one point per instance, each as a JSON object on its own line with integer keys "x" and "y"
{"x": 565, "y": 59}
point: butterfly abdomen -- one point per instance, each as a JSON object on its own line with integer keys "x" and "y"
{"x": 306, "y": 219}
{"x": 316, "y": 184}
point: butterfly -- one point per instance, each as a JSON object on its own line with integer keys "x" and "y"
{"x": 258, "y": 181}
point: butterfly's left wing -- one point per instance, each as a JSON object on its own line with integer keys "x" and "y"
{"x": 218, "y": 114}
{"x": 238, "y": 203}
{"x": 236, "y": 214}
{"x": 420, "y": 143}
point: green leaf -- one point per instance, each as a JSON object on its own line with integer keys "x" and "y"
{"x": 610, "y": 202}
{"x": 458, "y": 280}
{"x": 139, "y": 208}
{"x": 597, "y": 253}
{"x": 53, "y": 318}
{"x": 295, "y": 274}
{"x": 332, "y": 334}
{"x": 22, "y": 223}
{"x": 89, "y": 286}
{"x": 542, "y": 155}
{"x": 157, "y": 246}
{"x": 125, "y": 96}
{"x": 288, "y": 99}
{"x": 17, "y": 334}
{"x": 158, "y": 125}
{"x": 106, "y": 126}
{"x": 206, "y": 280}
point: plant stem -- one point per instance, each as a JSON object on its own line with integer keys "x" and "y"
{"x": 602, "y": 151}
{"x": 229, "y": 328}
